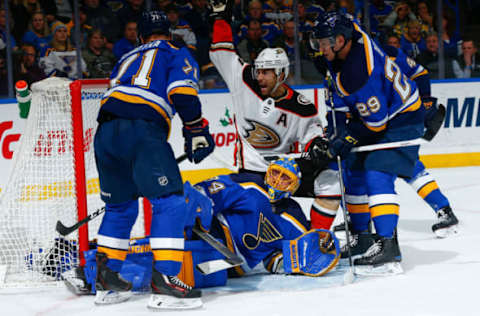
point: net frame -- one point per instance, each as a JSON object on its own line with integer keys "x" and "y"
{"x": 78, "y": 190}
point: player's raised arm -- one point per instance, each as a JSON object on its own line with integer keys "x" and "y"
{"x": 222, "y": 49}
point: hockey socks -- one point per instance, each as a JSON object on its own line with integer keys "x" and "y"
{"x": 321, "y": 217}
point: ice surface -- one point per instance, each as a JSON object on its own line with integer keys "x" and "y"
{"x": 441, "y": 275}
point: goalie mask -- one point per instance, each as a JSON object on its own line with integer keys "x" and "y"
{"x": 282, "y": 179}
{"x": 273, "y": 58}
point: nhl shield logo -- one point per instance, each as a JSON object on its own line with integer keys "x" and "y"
{"x": 163, "y": 181}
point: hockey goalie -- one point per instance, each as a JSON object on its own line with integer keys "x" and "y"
{"x": 238, "y": 212}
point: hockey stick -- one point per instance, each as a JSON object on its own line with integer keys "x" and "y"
{"x": 64, "y": 230}
{"x": 231, "y": 259}
{"x": 348, "y": 277}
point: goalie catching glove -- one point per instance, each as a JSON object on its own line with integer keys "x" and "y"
{"x": 198, "y": 141}
{"x": 314, "y": 253}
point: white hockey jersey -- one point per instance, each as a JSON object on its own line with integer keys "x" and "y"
{"x": 265, "y": 127}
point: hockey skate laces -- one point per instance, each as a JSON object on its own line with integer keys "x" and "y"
{"x": 175, "y": 280}
{"x": 373, "y": 250}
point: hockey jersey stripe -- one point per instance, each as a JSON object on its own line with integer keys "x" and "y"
{"x": 167, "y": 243}
{"x": 367, "y": 45}
{"x": 113, "y": 253}
{"x": 294, "y": 222}
{"x": 358, "y": 208}
{"x": 170, "y": 255}
{"x": 385, "y": 209}
{"x": 379, "y": 199}
{"x": 427, "y": 189}
{"x": 112, "y": 242}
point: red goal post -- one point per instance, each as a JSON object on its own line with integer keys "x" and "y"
{"x": 54, "y": 177}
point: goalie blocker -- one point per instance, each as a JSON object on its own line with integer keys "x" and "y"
{"x": 314, "y": 253}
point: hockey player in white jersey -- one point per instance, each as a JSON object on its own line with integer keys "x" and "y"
{"x": 272, "y": 119}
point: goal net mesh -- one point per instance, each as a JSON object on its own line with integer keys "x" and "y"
{"x": 42, "y": 189}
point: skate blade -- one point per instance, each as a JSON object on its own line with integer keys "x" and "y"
{"x": 161, "y": 302}
{"x": 387, "y": 269}
{"x": 111, "y": 297}
{"x": 446, "y": 232}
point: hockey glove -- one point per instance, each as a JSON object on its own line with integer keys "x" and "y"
{"x": 317, "y": 150}
{"x": 341, "y": 145}
{"x": 199, "y": 209}
{"x": 198, "y": 141}
{"x": 314, "y": 253}
{"x": 222, "y": 9}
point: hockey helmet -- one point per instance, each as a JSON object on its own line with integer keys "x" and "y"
{"x": 329, "y": 26}
{"x": 153, "y": 22}
{"x": 273, "y": 58}
{"x": 282, "y": 179}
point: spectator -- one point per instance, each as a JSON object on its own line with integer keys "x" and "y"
{"x": 270, "y": 30}
{"x": 3, "y": 31}
{"x": 305, "y": 24}
{"x": 180, "y": 30}
{"x": 64, "y": 10}
{"x": 429, "y": 58}
{"x": 84, "y": 27}
{"x": 59, "y": 59}
{"x": 22, "y": 14}
{"x": 394, "y": 41}
{"x": 3, "y": 74}
{"x": 424, "y": 16}
{"x": 467, "y": 65}
{"x": 412, "y": 42}
{"x": 398, "y": 19}
{"x": 452, "y": 43}
{"x": 128, "y": 42}
{"x": 198, "y": 19}
{"x": 131, "y": 11}
{"x": 101, "y": 17}
{"x": 253, "y": 44}
{"x": 27, "y": 67}
{"x": 38, "y": 33}
{"x": 277, "y": 11}
{"x": 100, "y": 61}
{"x": 379, "y": 11}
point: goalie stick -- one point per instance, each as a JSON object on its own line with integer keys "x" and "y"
{"x": 66, "y": 230}
{"x": 231, "y": 259}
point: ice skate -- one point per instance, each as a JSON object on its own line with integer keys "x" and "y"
{"x": 111, "y": 287}
{"x": 169, "y": 292}
{"x": 446, "y": 224}
{"x": 382, "y": 258}
{"x": 359, "y": 244}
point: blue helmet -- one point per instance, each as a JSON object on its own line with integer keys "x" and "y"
{"x": 282, "y": 179}
{"x": 331, "y": 24}
{"x": 153, "y": 22}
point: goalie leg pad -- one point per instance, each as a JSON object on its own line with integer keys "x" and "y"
{"x": 314, "y": 253}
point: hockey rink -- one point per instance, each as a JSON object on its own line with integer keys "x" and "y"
{"x": 441, "y": 275}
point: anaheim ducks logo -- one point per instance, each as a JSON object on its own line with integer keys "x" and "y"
{"x": 261, "y": 136}
{"x": 266, "y": 233}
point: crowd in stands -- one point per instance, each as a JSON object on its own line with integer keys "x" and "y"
{"x": 43, "y": 34}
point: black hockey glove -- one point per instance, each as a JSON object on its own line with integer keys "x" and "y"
{"x": 199, "y": 142}
{"x": 221, "y": 9}
{"x": 433, "y": 121}
{"x": 341, "y": 145}
{"x": 317, "y": 150}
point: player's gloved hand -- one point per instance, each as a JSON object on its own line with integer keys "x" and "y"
{"x": 221, "y": 9}
{"x": 198, "y": 140}
{"x": 199, "y": 209}
{"x": 317, "y": 150}
{"x": 341, "y": 145}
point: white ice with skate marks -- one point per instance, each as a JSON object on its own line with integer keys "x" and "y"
{"x": 440, "y": 277}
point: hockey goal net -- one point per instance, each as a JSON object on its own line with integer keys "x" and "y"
{"x": 54, "y": 177}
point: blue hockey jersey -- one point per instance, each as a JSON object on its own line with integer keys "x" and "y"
{"x": 144, "y": 80}
{"x": 371, "y": 86}
{"x": 250, "y": 225}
